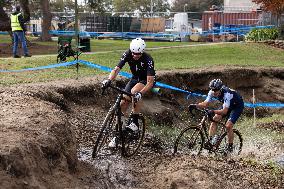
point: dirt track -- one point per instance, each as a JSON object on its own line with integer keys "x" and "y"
{"x": 43, "y": 126}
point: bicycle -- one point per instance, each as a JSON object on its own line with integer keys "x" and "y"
{"x": 128, "y": 141}
{"x": 192, "y": 138}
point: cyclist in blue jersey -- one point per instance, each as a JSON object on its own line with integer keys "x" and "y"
{"x": 143, "y": 78}
{"x": 233, "y": 106}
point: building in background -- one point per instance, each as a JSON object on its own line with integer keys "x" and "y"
{"x": 237, "y": 6}
{"x": 236, "y": 13}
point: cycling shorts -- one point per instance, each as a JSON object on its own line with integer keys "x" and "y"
{"x": 133, "y": 82}
{"x": 234, "y": 114}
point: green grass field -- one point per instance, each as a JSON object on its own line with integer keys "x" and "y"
{"x": 99, "y": 45}
{"x": 108, "y": 53}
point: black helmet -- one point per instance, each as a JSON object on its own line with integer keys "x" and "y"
{"x": 216, "y": 84}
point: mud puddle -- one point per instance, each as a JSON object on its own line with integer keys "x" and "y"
{"x": 280, "y": 160}
{"x": 112, "y": 167}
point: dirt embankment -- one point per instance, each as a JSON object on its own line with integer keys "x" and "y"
{"x": 42, "y": 126}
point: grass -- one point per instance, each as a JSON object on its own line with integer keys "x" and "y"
{"x": 200, "y": 56}
{"x": 244, "y": 125}
{"x": 236, "y": 54}
{"x": 167, "y": 134}
{"x": 252, "y": 133}
{"x": 111, "y": 45}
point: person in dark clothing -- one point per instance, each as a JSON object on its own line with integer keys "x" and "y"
{"x": 141, "y": 65}
{"x": 233, "y": 106}
{"x": 18, "y": 29}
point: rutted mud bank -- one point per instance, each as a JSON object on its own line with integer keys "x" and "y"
{"x": 43, "y": 125}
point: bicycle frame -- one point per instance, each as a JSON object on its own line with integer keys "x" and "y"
{"x": 205, "y": 128}
{"x": 117, "y": 109}
{"x": 113, "y": 113}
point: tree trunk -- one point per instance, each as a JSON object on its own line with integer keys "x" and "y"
{"x": 4, "y": 20}
{"x": 26, "y": 11}
{"x": 46, "y": 20}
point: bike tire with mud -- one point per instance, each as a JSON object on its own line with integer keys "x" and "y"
{"x": 238, "y": 143}
{"x": 190, "y": 141}
{"x": 131, "y": 141}
{"x": 105, "y": 133}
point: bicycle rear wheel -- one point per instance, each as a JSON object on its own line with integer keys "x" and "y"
{"x": 190, "y": 141}
{"x": 132, "y": 140}
{"x": 237, "y": 146}
{"x": 107, "y": 132}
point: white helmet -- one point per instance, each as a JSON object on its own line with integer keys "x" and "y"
{"x": 137, "y": 45}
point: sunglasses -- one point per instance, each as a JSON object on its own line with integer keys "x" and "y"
{"x": 136, "y": 54}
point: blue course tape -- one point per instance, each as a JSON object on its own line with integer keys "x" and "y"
{"x": 104, "y": 68}
{"x": 128, "y": 75}
{"x": 265, "y": 105}
{"x": 178, "y": 89}
{"x": 42, "y": 67}
{"x": 4, "y": 33}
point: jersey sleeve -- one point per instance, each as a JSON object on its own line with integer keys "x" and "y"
{"x": 227, "y": 100}
{"x": 22, "y": 22}
{"x": 209, "y": 96}
{"x": 123, "y": 59}
{"x": 150, "y": 68}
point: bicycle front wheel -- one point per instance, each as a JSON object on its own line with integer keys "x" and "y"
{"x": 237, "y": 145}
{"x": 106, "y": 133}
{"x": 190, "y": 141}
{"x": 132, "y": 140}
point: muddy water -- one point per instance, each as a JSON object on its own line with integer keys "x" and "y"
{"x": 280, "y": 160}
{"x": 120, "y": 172}
{"x": 113, "y": 167}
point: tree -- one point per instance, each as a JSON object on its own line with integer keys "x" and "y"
{"x": 25, "y": 9}
{"x": 97, "y": 5}
{"x": 276, "y": 7}
{"x": 157, "y": 6}
{"x": 194, "y": 5}
{"x": 57, "y": 6}
{"x": 141, "y": 5}
{"x": 197, "y": 6}
{"x": 123, "y": 5}
{"x": 46, "y": 20}
{"x": 62, "y": 5}
{"x": 4, "y": 18}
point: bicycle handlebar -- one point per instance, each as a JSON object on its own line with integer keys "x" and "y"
{"x": 118, "y": 89}
{"x": 204, "y": 111}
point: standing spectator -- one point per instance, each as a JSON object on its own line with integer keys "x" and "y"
{"x": 18, "y": 29}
